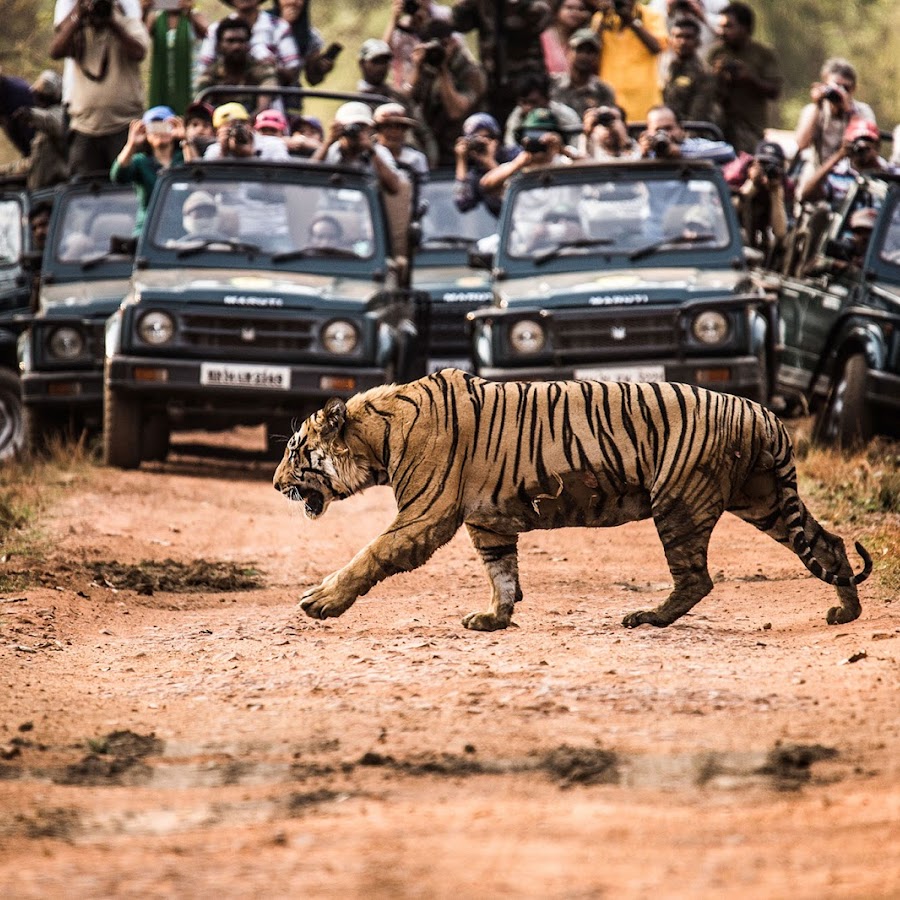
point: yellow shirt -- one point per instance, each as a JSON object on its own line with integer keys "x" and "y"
{"x": 627, "y": 64}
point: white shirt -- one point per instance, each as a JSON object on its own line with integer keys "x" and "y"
{"x": 265, "y": 146}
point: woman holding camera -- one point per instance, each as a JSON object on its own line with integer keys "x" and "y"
{"x": 161, "y": 131}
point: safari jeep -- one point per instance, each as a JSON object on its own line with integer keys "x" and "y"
{"x": 260, "y": 289}
{"x": 840, "y": 317}
{"x": 441, "y": 271}
{"x": 624, "y": 272}
{"x": 84, "y": 276}
{"x": 15, "y": 289}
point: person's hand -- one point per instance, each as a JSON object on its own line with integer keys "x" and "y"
{"x": 396, "y": 9}
{"x": 186, "y": 6}
{"x": 335, "y": 132}
{"x": 176, "y": 123}
{"x": 461, "y": 148}
{"x": 22, "y": 115}
{"x": 137, "y": 132}
{"x": 645, "y": 142}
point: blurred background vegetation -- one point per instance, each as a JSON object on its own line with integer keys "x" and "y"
{"x": 803, "y": 32}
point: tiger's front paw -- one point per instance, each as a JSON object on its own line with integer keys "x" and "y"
{"x": 840, "y": 615}
{"x": 326, "y": 601}
{"x": 485, "y": 621}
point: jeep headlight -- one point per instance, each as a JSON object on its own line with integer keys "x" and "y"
{"x": 710, "y": 327}
{"x": 156, "y": 328}
{"x": 527, "y": 336}
{"x": 65, "y": 343}
{"x": 340, "y": 337}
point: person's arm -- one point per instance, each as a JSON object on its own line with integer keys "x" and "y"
{"x": 458, "y": 103}
{"x": 644, "y": 32}
{"x": 396, "y": 10}
{"x": 121, "y": 171}
{"x": 132, "y": 34}
{"x": 777, "y": 210}
{"x": 199, "y": 22}
{"x": 63, "y": 44}
{"x": 812, "y": 189}
{"x": 496, "y": 178}
{"x": 387, "y": 175}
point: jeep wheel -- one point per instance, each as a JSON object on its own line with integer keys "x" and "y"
{"x": 155, "y": 438}
{"x": 43, "y": 429}
{"x": 845, "y": 421}
{"x": 12, "y": 426}
{"x": 121, "y": 430}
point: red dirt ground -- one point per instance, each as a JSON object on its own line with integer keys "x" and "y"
{"x": 177, "y": 744}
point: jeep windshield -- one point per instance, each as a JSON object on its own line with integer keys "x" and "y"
{"x": 223, "y": 219}
{"x": 10, "y": 231}
{"x": 88, "y": 222}
{"x": 889, "y": 251}
{"x": 618, "y": 221}
{"x": 444, "y": 226}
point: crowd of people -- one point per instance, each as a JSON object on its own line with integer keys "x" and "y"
{"x": 553, "y": 82}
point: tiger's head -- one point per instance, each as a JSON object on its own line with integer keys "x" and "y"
{"x": 319, "y": 464}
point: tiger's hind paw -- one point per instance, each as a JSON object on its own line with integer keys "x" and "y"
{"x": 645, "y": 617}
{"x": 485, "y": 621}
{"x": 325, "y": 602}
{"x": 840, "y": 615}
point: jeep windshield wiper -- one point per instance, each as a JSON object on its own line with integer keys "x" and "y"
{"x": 209, "y": 243}
{"x": 655, "y": 247}
{"x": 93, "y": 261}
{"x": 447, "y": 240}
{"x": 302, "y": 252}
{"x": 580, "y": 244}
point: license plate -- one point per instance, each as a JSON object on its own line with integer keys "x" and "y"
{"x": 622, "y": 373}
{"x": 435, "y": 365}
{"x": 230, "y": 375}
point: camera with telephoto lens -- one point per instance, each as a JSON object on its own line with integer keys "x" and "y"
{"x": 606, "y": 118}
{"x": 352, "y": 131}
{"x": 478, "y": 144}
{"x": 240, "y": 133}
{"x": 621, "y": 6}
{"x": 771, "y": 167}
{"x": 434, "y": 54}
{"x": 100, "y": 9}
{"x": 661, "y": 143}
{"x": 533, "y": 143}
{"x": 859, "y": 146}
{"x": 410, "y": 7}
{"x": 833, "y": 94}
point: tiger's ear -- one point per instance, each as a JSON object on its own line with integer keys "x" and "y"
{"x": 332, "y": 419}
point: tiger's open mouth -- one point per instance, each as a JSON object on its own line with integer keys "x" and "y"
{"x": 313, "y": 504}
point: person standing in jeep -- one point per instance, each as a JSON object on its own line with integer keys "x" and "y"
{"x": 107, "y": 93}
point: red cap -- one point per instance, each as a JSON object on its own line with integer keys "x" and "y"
{"x": 271, "y": 118}
{"x": 861, "y": 128}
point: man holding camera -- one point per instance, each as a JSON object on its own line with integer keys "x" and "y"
{"x": 478, "y": 151}
{"x": 857, "y": 155}
{"x": 822, "y": 123}
{"x": 446, "y": 85}
{"x": 632, "y": 38}
{"x": 579, "y": 88}
{"x": 666, "y": 139}
{"x": 747, "y": 77}
{"x": 606, "y": 137}
{"x": 107, "y": 92}
{"x": 235, "y": 139}
{"x": 760, "y": 201}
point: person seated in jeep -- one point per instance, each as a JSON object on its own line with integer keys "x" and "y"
{"x": 326, "y": 231}
{"x": 199, "y": 218}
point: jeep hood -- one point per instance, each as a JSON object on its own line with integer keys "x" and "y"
{"x": 453, "y": 283}
{"x": 83, "y": 298}
{"x": 621, "y": 287}
{"x": 252, "y": 289}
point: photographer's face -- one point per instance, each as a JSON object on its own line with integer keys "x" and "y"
{"x": 584, "y": 58}
{"x": 375, "y": 70}
{"x": 863, "y": 152}
{"x": 533, "y": 100}
{"x": 234, "y": 45}
{"x": 200, "y": 220}
{"x": 664, "y": 121}
{"x": 573, "y": 14}
{"x": 684, "y": 42}
{"x": 611, "y": 135}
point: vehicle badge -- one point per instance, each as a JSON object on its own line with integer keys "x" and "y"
{"x": 248, "y": 335}
{"x": 617, "y": 332}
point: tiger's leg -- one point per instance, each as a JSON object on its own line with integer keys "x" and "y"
{"x": 685, "y": 542}
{"x": 499, "y": 554}
{"x": 406, "y": 545}
{"x": 829, "y": 549}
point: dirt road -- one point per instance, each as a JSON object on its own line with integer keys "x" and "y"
{"x": 163, "y": 742}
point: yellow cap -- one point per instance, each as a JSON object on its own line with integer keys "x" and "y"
{"x": 228, "y": 112}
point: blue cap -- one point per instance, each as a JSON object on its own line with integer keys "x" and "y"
{"x": 158, "y": 114}
{"x": 480, "y": 122}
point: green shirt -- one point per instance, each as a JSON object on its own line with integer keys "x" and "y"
{"x": 142, "y": 172}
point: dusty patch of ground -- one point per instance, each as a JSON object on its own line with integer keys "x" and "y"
{"x": 158, "y": 743}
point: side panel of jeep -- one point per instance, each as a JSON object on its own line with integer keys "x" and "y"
{"x": 259, "y": 291}
{"x": 624, "y": 272}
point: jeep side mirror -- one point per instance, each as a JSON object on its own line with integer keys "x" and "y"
{"x": 123, "y": 246}
{"x": 481, "y": 259}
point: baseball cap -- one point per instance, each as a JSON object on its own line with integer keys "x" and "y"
{"x": 392, "y": 114}
{"x": 197, "y": 200}
{"x": 312, "y": 121}
{"x": 271, "y": 118}
{"x": 863, "y": 218}
{"x": 229, "y": 112}
{"x": 354, "y": 112}
{"x": 199, "y": 111}
{"x": 158, "y": 114}
{"x": 584, "y": 36}
{"x": 861, "y": 128}
{"x": 769, "y": 150}
{"x": 480, "y": 122}
{"x": 373, "y": 48}
{"x": 49, "y": 84}
{"x": 540, "y": 120}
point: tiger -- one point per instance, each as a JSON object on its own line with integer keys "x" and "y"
{"x": 504, "y": 458}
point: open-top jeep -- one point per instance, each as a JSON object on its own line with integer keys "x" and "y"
{"x": 839, "y": 306}
{"x": 259, "y": 290}
{"x": 630, "y": 271}
{"x": 84, "y": 276}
